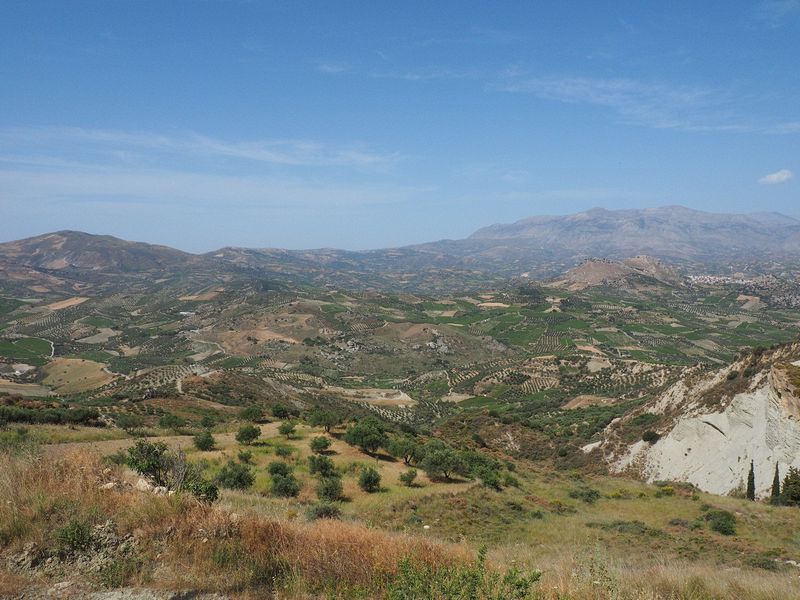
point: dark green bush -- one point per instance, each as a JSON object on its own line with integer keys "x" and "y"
{"x": 586, "y": 494}
{"x": 721, "y": 521}
{"x": 247, "y": 434}
{"x": 417, "y": 580}
{"x": 323, "y": 510}
{"x": 320, "y": 444}
{"x": 204, "y": 441}
{"x": 322, "y": 466}
{"x": 407, "y": 477}
{"x": 235, "y": 476}
{"x": 329, "y": 489}
{"x": 369, "y": 480}
{"x": 285, "y": 486}
{"x": 279, "y": 468}
{"x": 74, "y": 536}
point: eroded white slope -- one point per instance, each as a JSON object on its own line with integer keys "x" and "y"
{"x": 713, "y": 450}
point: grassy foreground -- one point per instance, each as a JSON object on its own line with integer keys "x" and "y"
{"x": 58, "y": 502}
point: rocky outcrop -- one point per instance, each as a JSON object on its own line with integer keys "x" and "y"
{"x": 715, "y": 426}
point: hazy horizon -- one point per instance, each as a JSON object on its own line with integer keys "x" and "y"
{"x": 200, "y": 125}
{"x": 235, "y": 245}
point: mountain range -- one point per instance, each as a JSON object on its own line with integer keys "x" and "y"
{"x": 540, "y": 247}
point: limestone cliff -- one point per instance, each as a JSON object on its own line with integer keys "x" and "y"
{"x": 713, "y": 425}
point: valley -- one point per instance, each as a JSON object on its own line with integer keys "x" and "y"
{"x": 579, "y": 406}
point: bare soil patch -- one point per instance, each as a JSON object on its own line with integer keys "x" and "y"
{"x": 74, "y": 375}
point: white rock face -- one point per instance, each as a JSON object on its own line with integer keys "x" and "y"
{"x": 714, "y": 450}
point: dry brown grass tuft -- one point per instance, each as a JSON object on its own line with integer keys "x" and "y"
{"x": 188, "y": 544}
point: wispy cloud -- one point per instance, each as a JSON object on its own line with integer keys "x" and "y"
{"x": 659, "y": 105}
{"x": 124, "y": 144}
{"x": 333, "y": 67}
{"x": 777, "y": 177}
{"x": 775, "y": 13}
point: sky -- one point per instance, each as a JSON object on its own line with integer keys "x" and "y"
{"x": 202, "y": 124}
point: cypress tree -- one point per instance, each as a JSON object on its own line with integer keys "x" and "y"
{"x": 751, "y": 483}
{"x": 775, "y": 495}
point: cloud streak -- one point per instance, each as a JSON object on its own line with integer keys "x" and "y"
{"x": 124, "y": 144}
{"x": 776, "y": 178}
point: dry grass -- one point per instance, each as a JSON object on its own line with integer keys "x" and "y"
{"x": 187, "y": 545}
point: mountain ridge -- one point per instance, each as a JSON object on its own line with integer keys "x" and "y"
{"x": 540, "y": 247}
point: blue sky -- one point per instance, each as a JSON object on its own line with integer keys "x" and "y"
{"x": 200, "y": 124}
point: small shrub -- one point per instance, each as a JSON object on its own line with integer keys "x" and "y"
{"x": 285, "y": 486}
{"x": 369, "y": 480}
{"x": 651, "y": 437}
{"x": 250, "y": 413}
{"x": 329, "y": 489}
{"x": 202, "y": 489}
{"x": 74, "y": 536}
{"x": 665, "y": 490}
{"x": 320, "y": 444}
{"x": 281, "y": 411}
{"x": 323, "y": 510}
{"x": 148, "y": 459}
{"x": 204, "y": 441}
{"x": 207, "y": 422}
{"x": 284, "y": 451}
{"x": 279, "y": 468}
{"x": 407, "y": 477}
{"x": 721, "y": 521}
{"x": 235, "y": 476}
{"x": 245, "y": 456}
{"x": 588, "y": 495}
{"x": 460, "y": 582}
{"x": 119, "y": 573}
{"x": 170, "y": 421}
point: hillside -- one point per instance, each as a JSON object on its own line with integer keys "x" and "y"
{"x": 633, "y": 273}
{"x": 711, "y": 426}
{"x": 536, "y": 248}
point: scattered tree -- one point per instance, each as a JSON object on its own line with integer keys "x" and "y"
{"x": 285, "y": 486}
{"x": 248, "y": 434}
{"x": 790, "y": 494}
{"x": 751, "y": 483}
{"x": 286, "y": 428}
{"x": 147, "y": 458}
{"x": 326, "y": 419}
{"x": 403, "y": 447}
{"x": 775, "y": 494}
{"x": 279, "y": 468}
{"x": 442, "y": 462}
{"x": 368, "y": 434}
